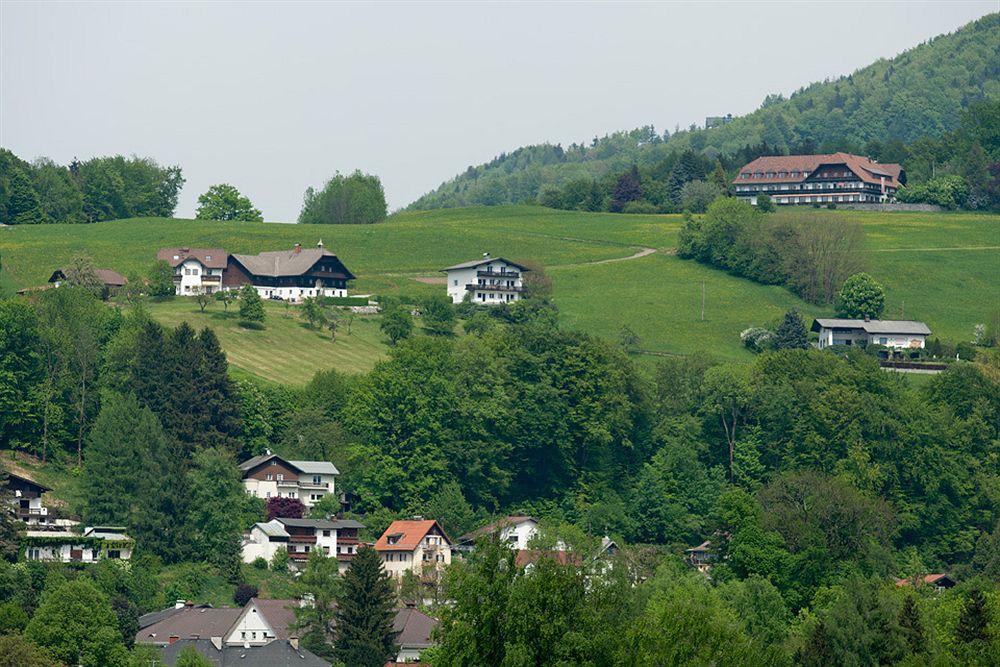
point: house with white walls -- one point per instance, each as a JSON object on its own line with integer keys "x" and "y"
{"x": 196, "y": 270}
{"x": 272, "y": 476}
{"x": 515, "y": 530}
{"x": 65, "y": 546}
{"x": 487, "y": 280}
{"x": 335, "y": 538}
{"x": 896, "y": 334}
{"x": 419, "y": 546}
{"x": 289, "y": 275}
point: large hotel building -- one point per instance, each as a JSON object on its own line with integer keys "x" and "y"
{"x": 819, "y": 179}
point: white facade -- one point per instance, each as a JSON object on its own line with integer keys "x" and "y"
{"x": 73, "y": 549}
{"x": 489, "y": 281}
{"x": 296, "y": 294}
{"x": 401, "y": 551}
{"x": 191, "y": 277}
{"x": 895, "y": 334}
{"x": 270, "y": 476}
{"x": 251, "y": 628}
{"x": 518, "y": 534}
{"x": 263, "y": 540}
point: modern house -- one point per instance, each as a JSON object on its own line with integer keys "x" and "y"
{"x": 196, "y": 270}
{"x": 419, "y": 546}
{"x": 271, "y": 476}
{"x": 112, "y": 280}
{"x": 335, "y": 538}
{"x": 819, "y": 179}
{"x": 93, "y": 544}
{"x": 516, "y": 531}
{"x": 27, "y": 499}
{"x": 291, "y": 275}
{"x": 897, "y": 334}
{"x": 488, "y": 280}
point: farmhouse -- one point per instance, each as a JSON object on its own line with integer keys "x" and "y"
{"x": 271, "y": 476}
{"x": 939, "y": 581}
{"x": 300, "y": 537}
{"x": 291, "y": 275}
{"x": 196, "y": 270}
{"x": 897, "y": 334}
{"x": 419, "y": 546}
{"x": 488, "y": 280}
{"x": 819, "y": 179}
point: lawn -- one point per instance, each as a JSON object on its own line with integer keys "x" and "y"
{"x": 942, "y": 268}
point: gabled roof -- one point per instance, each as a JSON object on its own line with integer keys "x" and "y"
{"x": 486, "y": 259}
{"x": 27, "y": 481}
{"x": 190, "y": 623}
{"x": 942, "y": 580}
{"x": 279, "y": 614}
{"x": 865, "y": 169}
{"x": 272, "y": 528}
{"x": 211, "y": 258}
{"x": 413, "y": 628}
{"x": 306, "y": 467}
{"x": 873, "y": 326}
{"x": 293, "y": 262}
{"x": 409, "y": 532}
{"x": 496, "y": 526}
{"x": 275, "y": 654}
{"x": 152, "y": 617}
{"x": 107, "y": 276}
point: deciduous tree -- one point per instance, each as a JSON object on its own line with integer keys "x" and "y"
{"x": 224, "y": 202}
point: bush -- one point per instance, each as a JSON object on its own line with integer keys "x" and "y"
{"x": 357, "y": 199}
{"x": 764, "y": 203}
{"x": 757, "y": 339}
{"x": 639, "y": 206}
{"x": 947, "y": 191}
{"x": 259, "y": 563}
{"x": 244, "y": 593}
{"x": 255, "y": 326}
{"x": 285, "y": 508}
{"x": 696, "y": 196}
{"x": 279, "y": 561}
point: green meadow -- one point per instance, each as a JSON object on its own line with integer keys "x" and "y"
{"x": 942, "y": 268}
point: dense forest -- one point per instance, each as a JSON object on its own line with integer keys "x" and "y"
{"x": 817, "y": 477}
{"x": 893, "y": 110}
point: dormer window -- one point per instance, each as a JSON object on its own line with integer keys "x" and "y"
{"x": 782, "y": 174}
{"x": 176, "y": 257}
{"x": 208, "y": 258}
{"x": 393, "y": 539}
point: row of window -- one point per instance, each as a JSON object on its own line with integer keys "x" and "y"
{"x": 493, "y": 297}
{"x": 796, "y": 186}
{"x": 830, "y": 199}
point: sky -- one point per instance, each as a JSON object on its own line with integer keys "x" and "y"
{"x": 276, "y": 97}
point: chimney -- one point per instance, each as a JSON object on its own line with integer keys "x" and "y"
{"x": 417, "y": 517}
{"x": 294, "y": 642}
{"x": 319, "y": 244}
{"x": 298, "y": 248}
{"x": 868, "y": 318}
{"x": 172, "y": 639}
{"x": 179, "y": 604}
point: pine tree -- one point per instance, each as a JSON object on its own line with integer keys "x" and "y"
{"x": 791, "y": 333}
{"x": 912, "y": 625}
{"x": 251, "y": 307}
{"x": 817, "y": 651}
{"x": 974, "y": 621}
{"x": 217, "y": 494}
{"x": 182, "y": 416}
{"x": 364, "y": 636}
{"x": 719, "y": 177}
{"x": 220, "y": 423}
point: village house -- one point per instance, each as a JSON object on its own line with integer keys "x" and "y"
{"x": 196, "y": 270}
{"x": 290, "y": 275}
{"x": 413, "y": 630}
{"x": 488, "y": 280}
{"x": 64, "y": 546}
{"x": 515, "y": 531}
{"x": 271, "y": 476}
{"x": 819, "y": 179}
{"x": 940, "y": 582}
{"x": 26, "y": 498}
{"x": 419, "y": 546}
{"x": 112, "y": 280}
{"x": 335, "y": 538}
{"x": 897, "y": 334}
{"x": 701, "y": 557}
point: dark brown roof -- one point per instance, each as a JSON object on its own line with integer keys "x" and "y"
{"x": 413, "y": 628}
{"x": 865, "y": 169}
{"x": 293, "y": 262}
{"x": 211, "y": 258}
{"x": 275, "y": 654}
{"x": 485, "y": 259}
{"x": 107, "y": 276}
{"x": 190, "y": 623}
{"x": 279, "y": 614}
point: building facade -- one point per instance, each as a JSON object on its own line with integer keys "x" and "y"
{"x": 516, "y": 531}
{"x": 290, "y": 275}
{"x": 897, "y": 334}
{"x": 488, "y": 280}
{"x": 419, "y": 546}
{"x": 837, "y": 178}
{"x": 196, "y": 270}
{"x": 335, "y": 538}
{"x": 64, "y": 546}
{"x": 271, "y": 476}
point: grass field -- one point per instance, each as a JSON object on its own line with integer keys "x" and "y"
{"x": 943, "y": 268}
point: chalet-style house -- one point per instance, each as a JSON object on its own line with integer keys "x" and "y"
{"x": 291, "y": 275}
{"x": 940, "y": 582}
{"x": 819, "y": 179}
{"x": 419, "y": 546}
{"x": 112, "y": 280}
{"x": 196, "y": 270}
{"x": 487, "y": 280}
{"x": 26, "y": 497}
{"x": 300, "y": 537}
{"x": 897, "y": 334}
{"x": 64, "y": 546}
{"x": 516, "y": 531}
{"x": 271, "y": 476}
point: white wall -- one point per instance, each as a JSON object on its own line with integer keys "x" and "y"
{"x": 296, "y": 294}
{"x": 259, "y": 488}
{"x": 251, "y": 629}
{"x": 257, "y": 545}
{"x": 458, "y": 279}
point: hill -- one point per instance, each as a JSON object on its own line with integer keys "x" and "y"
{"x": 936, "y": 267}
{"x": 919, "y": 93}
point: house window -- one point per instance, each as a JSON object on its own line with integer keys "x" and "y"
{"x": 269, "y": 477}
{"x": 114, "y": 553}
{"x": 883, "y": 341}
{"x": 317, "y": 479}
{"x": 326, "y": 533}
{"x": 280, "y": 477}
{"x": 268, "y": 494}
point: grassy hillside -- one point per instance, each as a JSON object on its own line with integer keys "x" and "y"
{"x": 920, "y": 92}
{"x": 941, "y": 268}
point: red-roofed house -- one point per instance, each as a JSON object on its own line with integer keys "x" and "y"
{"x": 196, "y": 270}
{"x": 419, "y": 546}
{"x": 819, "y": 179}
{"x": 938, "y": 581}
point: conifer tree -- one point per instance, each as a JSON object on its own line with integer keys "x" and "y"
{"x": 220, "y": 423}
{"x": 251, "y": 307}
{"x": 912, "y": 625}
{"x": 719, "y": 177}
{"x": 974, "y": 621}
{"x": 216, "y": 492}
{"x": 364, "y": 636}
{"x": 791, "y": 333}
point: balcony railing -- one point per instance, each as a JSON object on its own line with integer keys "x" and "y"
{"x": 302, "y": 539}
{"x": 493, "y": 288}
{"x": 498, "y": 274}
{"x": 210, "y": 279}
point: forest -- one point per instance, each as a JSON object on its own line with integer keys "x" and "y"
{"x": 818, "y": 478}
{"x": 899, "y": 110}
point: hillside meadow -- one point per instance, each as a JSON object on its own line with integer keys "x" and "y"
{"x": 939, "y": 267}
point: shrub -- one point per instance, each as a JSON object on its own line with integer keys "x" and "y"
{"x": 639, "y": 206}
{"x": 244, "y": 593}
{"x": 279, "y": 561}
{"x": 764, "y": 203}
{"x": 285, "y": 508}
{"x": 696, "y": 196}
{"x": 757, "y": 339}
{"x": 259, "y": 563}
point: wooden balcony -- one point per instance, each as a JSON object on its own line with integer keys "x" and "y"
{"x": 493, "y": 288}
{"x": 510, "y": 275}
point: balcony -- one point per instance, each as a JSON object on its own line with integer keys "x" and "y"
{"x": 211, "y": 279}
{"x": 302, "y": 539}
{"x": 498, "y": 274}
{"x": 493, "y": 288}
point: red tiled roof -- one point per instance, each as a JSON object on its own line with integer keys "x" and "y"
{"x": 410, "y": 533}
{"x": 926, "y": 579}
{"x": 865, "y": 169}
{"x": 219, "y": 257}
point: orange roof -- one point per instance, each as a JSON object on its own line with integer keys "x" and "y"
{"x": 866, "y": 170}
{"x": 927, "y": 579}
{"x": 409, "y": 532}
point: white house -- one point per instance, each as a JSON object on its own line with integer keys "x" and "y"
{"x": 263, "y": 621}
{"x": 897, "y": 334}
{"x": 196, "y": 270}
{"x": 271, "y": 476}
{"x": 419, "y": 546}
{"x": 94, "y": 544}
{"x": 488, "y": 280}
{"x": 336, "y": 538}
{"x": 290, "y": 275}
{"x": 516, "y": 531}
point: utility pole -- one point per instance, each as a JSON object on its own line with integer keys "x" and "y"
{"x": 702, "y": 300}
{"x": 902, "y": 309}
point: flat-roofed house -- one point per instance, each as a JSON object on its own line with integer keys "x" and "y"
{"x": 93, "y": 544}
{"x": 897, "y": 334}
{"x": 819, "y": 179}
{"x": 420, "y": 546}
{"x": 196, "y": 270}
{"x": 487, "y": 280}
{"x": 291, "y": 275}
{"x": 271, "y": 476}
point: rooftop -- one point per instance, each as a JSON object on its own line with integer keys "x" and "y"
{"x": 873, "y": 326}
{"x": 410, "y": 533}
{"x": 292, "y": 262}
{"x": 865, "y": 169}
{"x": 211, "y": 258}
{"x": 485, "y": 259}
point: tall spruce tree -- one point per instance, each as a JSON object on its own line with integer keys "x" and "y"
{"x": 364, "y": 636}
{"x": 791, "y": 333}
{"x": 974, "y": 621}
{"x": 219, "y": 423}
{"x": 912, "y": 625}
{"x": 214, "y": 518}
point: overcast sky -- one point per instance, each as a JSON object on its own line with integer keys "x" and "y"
{"x": 276, "y": 97}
